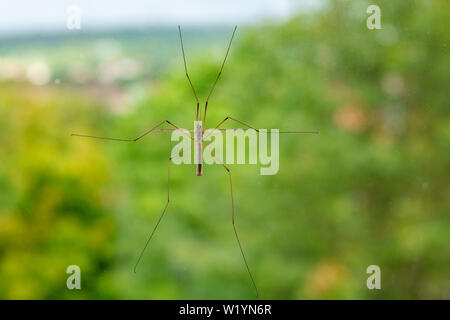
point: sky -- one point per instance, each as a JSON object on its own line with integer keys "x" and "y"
{"x": 22, "y": 16}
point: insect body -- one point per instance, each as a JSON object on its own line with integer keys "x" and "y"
{"x": 199, "y": 130}
{"x": 198, "y": 140}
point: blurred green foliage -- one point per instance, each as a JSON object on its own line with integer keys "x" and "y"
{"x": 372, "y": 188}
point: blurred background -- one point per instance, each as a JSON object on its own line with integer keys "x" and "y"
{"x": 372, "y": 189}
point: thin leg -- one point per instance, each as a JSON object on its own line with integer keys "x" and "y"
{"x": 187, "y": 74}
{"x": 154, "y": 129}
{"x": 161, "y": 216}
{"x": 234, "y": 225}
{"x": 218, "y": 76}
{"x": 236, "y": 233}
{"x": 250, "y": 127}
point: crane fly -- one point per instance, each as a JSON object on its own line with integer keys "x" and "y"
{"x": 199, "y": 138}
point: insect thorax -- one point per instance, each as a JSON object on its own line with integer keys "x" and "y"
{"x": 198, "y": 131}
{"x": 198, "y": 137}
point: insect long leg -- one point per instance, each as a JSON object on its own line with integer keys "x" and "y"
{"x": 162, "y": 214}
{"x": 249, "y": 126}
{"x": 234, "y": 225}
{"x": 218, "y": 76}
{"x": 187, "y": 74}
{"x": 154, "y": 129}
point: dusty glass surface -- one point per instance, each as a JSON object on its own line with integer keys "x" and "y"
{"x": 371, "y": 189}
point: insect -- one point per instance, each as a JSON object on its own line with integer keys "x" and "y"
{"x": 199, "y": 138}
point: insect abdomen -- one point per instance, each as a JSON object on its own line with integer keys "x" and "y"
{"x": 199, "y": 169}
{"x": 198, "y": 141}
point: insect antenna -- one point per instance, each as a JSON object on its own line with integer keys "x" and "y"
{"x": 218, "y": 76}
{"x": 187, "y": 74}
